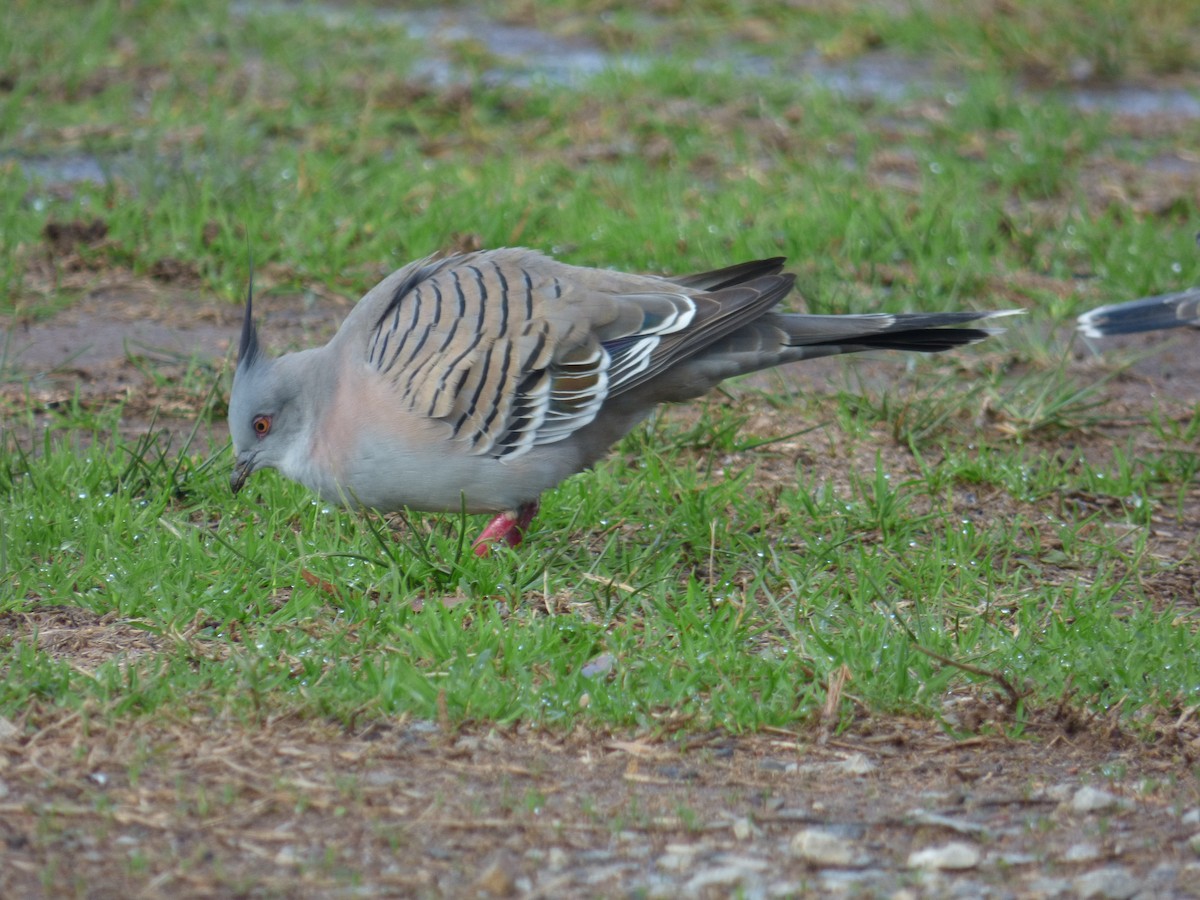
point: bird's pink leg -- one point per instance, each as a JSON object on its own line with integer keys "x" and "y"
{"x": 508, "y": 527}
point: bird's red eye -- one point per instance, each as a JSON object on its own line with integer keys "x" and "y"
{"x": 262, "y": 425}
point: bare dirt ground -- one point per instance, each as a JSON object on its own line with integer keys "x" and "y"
{"x": 277, "y": 807}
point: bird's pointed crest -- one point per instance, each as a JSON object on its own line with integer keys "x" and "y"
{"x": 248, "y": 349}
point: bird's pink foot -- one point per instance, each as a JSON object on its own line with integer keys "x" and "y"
{"x": 508, "y": 527}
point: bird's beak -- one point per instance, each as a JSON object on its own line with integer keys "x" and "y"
{"x": 242, "y": 468}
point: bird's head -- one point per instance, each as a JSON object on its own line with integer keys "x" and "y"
{"x": 266, "y": 419}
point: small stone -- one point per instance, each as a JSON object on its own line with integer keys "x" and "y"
{"x": 722, "y": 875}
{"x": 1110, "y": 883}
{"x": 382, "y": 777}
{"x": 1081, "y": 69}
{"x": 596, "y": 856}
{"x": 960, "y": 888}
{"x": 496, "y": 880}
{"x": 674, "y": 862}
{"x": 924, "y": 817}
{"x": 1081, "y": 852}
{"x": 1161, "y": 881}
{"x": 846, "y": 883}
{"x": 954, "y": 856}
{"x": 1045, "y": 886}
{"x": 749, "y": 863}
{"x": 850, "y": 764}
{"x": 743, "y": 829}
{"x": 855, "y": 764}
{"x": 287, "y": 855}
{"x": 673, "y": 772}
{"x": 605, "y": 873}
{"x": 1089, "y": 800}
{"x": 822, "y": 848}
{"x": 598, "y": 665}
{"x": 650, "y": 886}
{"x": 1194, "y": 842}
{"x": 1012, "y": 859}
{"x": 557, "y": 858}
{"x": 1059, "y": 793}
{"x": 1191, "y": 817}
{"x": 678, "y": 858}
{"x": 782, "y": 889}
{"x": 495, "y": 742}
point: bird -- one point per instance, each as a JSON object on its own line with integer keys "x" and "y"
{"x": 1147, "y": 314}
{"x": 476, "y": 381}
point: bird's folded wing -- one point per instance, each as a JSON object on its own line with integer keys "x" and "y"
{"x": 512, "y": 349}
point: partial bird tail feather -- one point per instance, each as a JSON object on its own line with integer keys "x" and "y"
{"x": 778, "y": 338}
{"x": 921, "y": 332}
{"x": 731, "y": 275}
{"x": 1147, "y": 314}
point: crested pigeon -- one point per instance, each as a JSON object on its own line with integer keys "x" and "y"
{"x": 1147, "y": 314}
{"x": 477, "y": 381}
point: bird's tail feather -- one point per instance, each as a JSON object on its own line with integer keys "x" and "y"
{"x": 1147, "y": 314}
{"x": 922, "y": 332}
{"x": 779, "y": 338}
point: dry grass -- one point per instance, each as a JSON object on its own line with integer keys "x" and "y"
{"x": 189, "y": 807}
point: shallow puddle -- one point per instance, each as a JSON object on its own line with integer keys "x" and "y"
{"x": 529, "y": 54}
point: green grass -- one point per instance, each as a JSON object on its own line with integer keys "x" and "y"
{"x": 718, "y": 602}
{"x": 726, "y": 575}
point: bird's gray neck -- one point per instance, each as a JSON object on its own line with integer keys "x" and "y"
{"x": 311, "y": 377}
